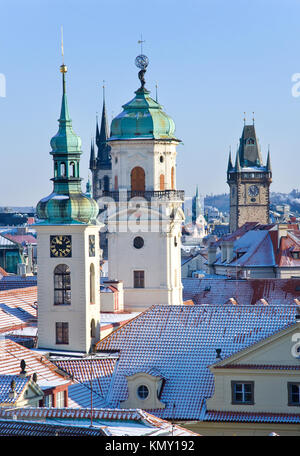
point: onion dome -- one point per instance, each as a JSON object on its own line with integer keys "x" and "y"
{"x": 66, "y": 204}
{"x": 142, "y": 117}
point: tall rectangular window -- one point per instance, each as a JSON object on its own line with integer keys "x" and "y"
{"x": 294, "y": 393}
{"x": 60, "y": 399}
{"x": 62, "y": 332}
{"x": 139, "y": 279}
{"x": 242, "y": 392}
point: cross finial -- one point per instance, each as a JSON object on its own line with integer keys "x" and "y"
{"x": 244, "y": 118}
{"x": 103, "y": 88}
{"x": 141, "y": 41}
{"x": 156, "y": 95}
{"x": 253, "y": 117}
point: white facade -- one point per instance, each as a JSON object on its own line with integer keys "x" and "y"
{"x": 83, "y": 313}
{"x": 155, "y": 217}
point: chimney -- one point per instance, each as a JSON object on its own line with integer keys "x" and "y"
{"x": 223, "y": 251}
{"x": 282, "y": 230}
{"x": 229, "y": 251}
{"x": 211, "y": 257}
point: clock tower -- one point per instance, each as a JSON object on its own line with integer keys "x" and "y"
{"x": 249, "y": 181}
{"x": 68, "y": 250}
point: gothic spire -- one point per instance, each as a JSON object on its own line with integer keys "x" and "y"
{"x": 92, "y": 156}
{"x": 103, "y": 155}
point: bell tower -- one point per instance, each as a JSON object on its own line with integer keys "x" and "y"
{"x": 68, "y": 250}
{"x": 145, "y": 208}
{"x": 249, "y": 182}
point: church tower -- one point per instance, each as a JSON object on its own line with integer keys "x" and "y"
{"x": 249, "y": 181}
{"x": 68, "y": 250}
{"x": 100, "y": 164}
{"x": 144, "y": 213}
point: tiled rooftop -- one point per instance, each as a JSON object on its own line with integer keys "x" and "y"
{"x": 251, "y": 417}
{"x": 112, "y": 421}
{"x": 17, "y": 308}
{"x": 180, "y": 342}
{"x": 245, "y": 291}
{"x": 5, "y": 387}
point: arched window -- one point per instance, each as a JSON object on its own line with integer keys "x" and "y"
{"x": 137, "y": 179}
{"x": 106, "y": 183}
{"x": 92, "y": 284}
{"x": 63, "y": 169}
{"x": 62, "y": 285}
{"x": 55, "y": 169}
{"x": 172, "y": 178}
{"x": 116, "y": 183}
{"x": 93, "y": 329}
{"x": 162, "y": 182}
{"x": 72, "y": 169}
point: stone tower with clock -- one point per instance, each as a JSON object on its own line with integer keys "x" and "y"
{"x": 68, "y": 250}
{"x": 249, "y": 182}
{"x": 145, "y": 209}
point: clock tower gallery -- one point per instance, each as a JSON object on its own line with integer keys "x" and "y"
{"x": 68, "y": 250}
{"x": 249, "y": 181}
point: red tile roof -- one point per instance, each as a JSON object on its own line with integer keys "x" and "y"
{"x": 252, "y": 417}
{"x": 218, "y": 291}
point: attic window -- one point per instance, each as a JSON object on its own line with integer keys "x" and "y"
{"x": 249, "y": 141}
{"x": 143, "y": 392}
{"x": 207, "y": 288}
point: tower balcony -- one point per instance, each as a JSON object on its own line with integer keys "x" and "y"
{"x": 148, "y": 195}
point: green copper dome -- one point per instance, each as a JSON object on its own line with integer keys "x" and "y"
{"x": 144, "y": 118}
{"x": 66, "y": 204}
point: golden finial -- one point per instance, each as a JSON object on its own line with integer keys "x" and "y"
{"x": 63, "y": 67}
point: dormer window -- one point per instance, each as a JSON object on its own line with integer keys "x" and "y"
{"x": 249, "y": 141}
{"x": 144, "y": 390}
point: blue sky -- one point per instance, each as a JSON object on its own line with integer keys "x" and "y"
{"x": 212, "y": 59}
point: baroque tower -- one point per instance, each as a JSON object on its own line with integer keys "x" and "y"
{"x": 145, "y": 209}
{"x": 68, "y": 250}
{"x": 249, "y": 181}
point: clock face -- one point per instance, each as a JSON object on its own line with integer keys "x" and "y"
{"x": 253, "y": 190}
{"x": 91, "y": 245}
{"x": 60, "y": 246}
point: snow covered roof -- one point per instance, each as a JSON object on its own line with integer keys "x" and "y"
{"x": 180, "y": 342}
{"x": 17, "y": 308}
{"x": 217, "y": 291}
{"x": 113, "y": 422}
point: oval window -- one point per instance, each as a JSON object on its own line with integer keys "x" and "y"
{"x": 138, "y": 242}
{"x": 143, "y": 392}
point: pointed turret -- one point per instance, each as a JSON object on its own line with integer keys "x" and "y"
{"x": 229, "y": 167}
{"x": 92, "y": 157}
{"x": 268, "y": 165}
{"x": 237, "y": 167}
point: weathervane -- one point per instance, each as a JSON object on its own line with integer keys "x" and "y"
{"x": 142, "y": 62}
